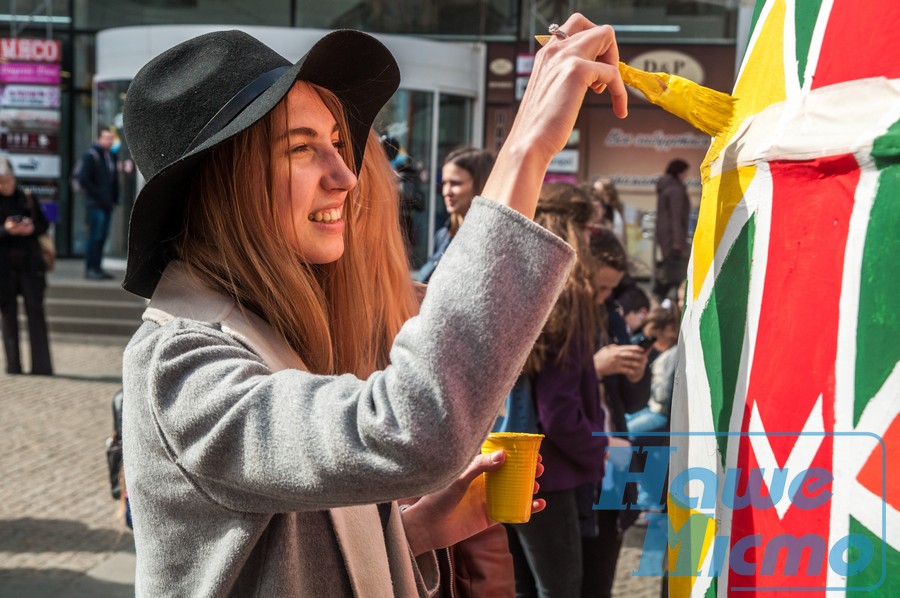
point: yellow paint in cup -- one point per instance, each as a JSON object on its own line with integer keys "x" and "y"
{"x": 510, "y": 489}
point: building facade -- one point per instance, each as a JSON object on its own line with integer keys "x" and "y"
{"x": 467, "y": 94}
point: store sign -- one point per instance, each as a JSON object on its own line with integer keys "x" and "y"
{"x": 35, "y": 166}
{"x": 29, "y": 96}
{"x": 30, "y": 116}
{"x": 564, "y": 161}
{"x": 38, "y": 143}
{"x": 30, "y": 50}
{"x": 33, "y": 73}
{"x": 669, "y": 61}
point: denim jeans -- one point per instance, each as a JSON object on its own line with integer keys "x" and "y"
{"x": 98, "y": 221}
{"x": 647, "y": 420}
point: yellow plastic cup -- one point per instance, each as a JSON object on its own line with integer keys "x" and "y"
{"x": 510, "y": 489}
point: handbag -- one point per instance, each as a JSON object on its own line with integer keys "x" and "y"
{"x": 114, "y": 448}
{"x": 48, "y": 247}
{"x": 48, "y": 251}
{"x": 479, "y": 566}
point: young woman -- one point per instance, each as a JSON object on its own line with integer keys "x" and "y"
{"x": 22, "y": 272}
{"x": 463, "y": 176}
{"x": 267, "y": 432}
{"x": 566, "y": 399}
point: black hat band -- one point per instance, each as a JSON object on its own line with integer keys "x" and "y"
{"x": 235, "y": 105}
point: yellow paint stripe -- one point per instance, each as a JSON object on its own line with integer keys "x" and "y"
{"x": 720, "y": 196}
{"x": 681, "y": 586}
{"x": 762, "y": 81}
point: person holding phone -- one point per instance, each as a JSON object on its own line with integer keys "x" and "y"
{"x": 22, "y": 272}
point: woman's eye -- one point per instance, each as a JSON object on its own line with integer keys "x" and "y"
{"x": 339, "y": 145}
{"x": 299, "y": 149}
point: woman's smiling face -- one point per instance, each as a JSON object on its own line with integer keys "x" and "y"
{"x": 312, "y": 180}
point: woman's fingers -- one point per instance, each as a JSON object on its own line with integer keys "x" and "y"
{"x": 602, "y": 53}
{"x": 563, "y": 71}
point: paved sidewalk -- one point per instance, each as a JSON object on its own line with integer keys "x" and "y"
{"x": 59, "y": 537}
{"x": 58, "y": 532}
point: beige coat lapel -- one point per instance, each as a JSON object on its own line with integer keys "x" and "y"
{"x": 358, "y": 529}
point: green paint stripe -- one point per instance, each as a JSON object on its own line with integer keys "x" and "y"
{"x": 756, "y": 12}
{"x": 806, "y": 13}
{"x": 886, "y": 149}
{"x": 722, "y": 328}
{"x": 878, "y": 322}
{"x": 872, "y": 574}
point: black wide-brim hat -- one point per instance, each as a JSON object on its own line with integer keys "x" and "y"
{"x": 208, "y": 89}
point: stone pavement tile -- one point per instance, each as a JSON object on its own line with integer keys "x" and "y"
{"x": 59, "y": 537}
{"x": 57, "y": 518}
{"x": 627, "y": 584}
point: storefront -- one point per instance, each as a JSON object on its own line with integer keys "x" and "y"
{"x": 438, "y": 106}
{"x": 633, "y": 152}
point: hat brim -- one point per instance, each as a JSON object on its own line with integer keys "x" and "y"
{"x": 354, "y": 66}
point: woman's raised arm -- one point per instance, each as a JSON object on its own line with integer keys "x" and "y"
{"x": 563, "y": 71}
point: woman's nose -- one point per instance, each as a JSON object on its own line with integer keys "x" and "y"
{"x": 339, "y": 176}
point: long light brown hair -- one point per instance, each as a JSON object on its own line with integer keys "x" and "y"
{"x": 566, "y": 210}
{"x": 235, "y": 239}
{"x": 393, "y": 297}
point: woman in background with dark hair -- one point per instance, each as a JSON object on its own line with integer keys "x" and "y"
{"x": 22, "y": 272}
{"x": 463, "y": 176}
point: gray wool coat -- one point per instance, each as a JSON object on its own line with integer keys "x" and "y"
{"x": 249, "y": 476}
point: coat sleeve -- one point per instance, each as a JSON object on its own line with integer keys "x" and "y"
{"x": 258, "y": 441}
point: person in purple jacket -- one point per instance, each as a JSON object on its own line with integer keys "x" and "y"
{"x": 547, "y": 550}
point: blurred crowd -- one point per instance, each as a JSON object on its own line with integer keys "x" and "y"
{"x": 604, "y": 362}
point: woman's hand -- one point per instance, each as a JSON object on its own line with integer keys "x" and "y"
{"x": 629, "y": 360}
{"x": 21, "y": 227}
{"x": 459, "y": 511}
{"x": 563, "y": 71}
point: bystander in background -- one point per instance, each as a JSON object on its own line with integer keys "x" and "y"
{"x": 673, "y": 208}
{"x": 98, "y": 178}
{"x": 22, "y": 272}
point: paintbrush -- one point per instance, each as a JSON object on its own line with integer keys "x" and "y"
{"x": 706, "y": 109}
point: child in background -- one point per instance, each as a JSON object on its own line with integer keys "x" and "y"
{"x": 635, "y": 306}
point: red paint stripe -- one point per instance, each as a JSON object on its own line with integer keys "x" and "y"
{"x": 860, "y": 42}
{"x": 796, "y": 341}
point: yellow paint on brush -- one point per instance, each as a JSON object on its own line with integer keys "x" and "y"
{"x": 680, "y": 586}
{"x": 706, "y": 109}
{"x": 721, "y": 195}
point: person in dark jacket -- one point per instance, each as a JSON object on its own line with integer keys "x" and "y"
{"x": 99, "y": 179}
{"x": 673, "y": 209}
{"x": 22, "y": 272}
